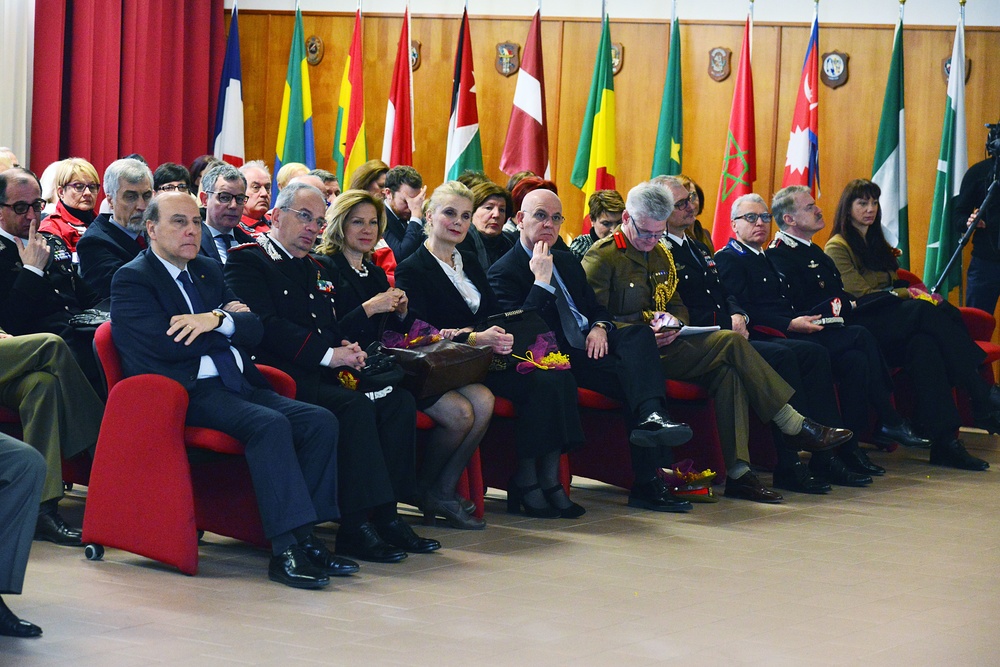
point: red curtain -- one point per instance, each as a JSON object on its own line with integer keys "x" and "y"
{"x": 114, "y": 77}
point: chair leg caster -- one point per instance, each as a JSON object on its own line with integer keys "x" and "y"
{"x": 94, "y": 552}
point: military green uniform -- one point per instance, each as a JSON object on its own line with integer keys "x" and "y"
{"x": 722, "y": 362}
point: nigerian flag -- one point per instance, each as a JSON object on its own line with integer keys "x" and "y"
{"x": 670, "y": 131}
{"x": 889, "y": 169}
{"x": 953, "y": 162}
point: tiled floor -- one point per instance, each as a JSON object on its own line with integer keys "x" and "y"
{"x": 904, "y": 573}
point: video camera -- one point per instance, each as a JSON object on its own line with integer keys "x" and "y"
{"x": 993, "y": 140}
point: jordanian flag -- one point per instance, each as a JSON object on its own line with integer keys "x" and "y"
{"x": 739, "y": 165}
{"x": 350, "y": 149}
{"x": 953, "y": 161}
{"x": 670, "y": 132}
{"x": 465, "y": 151}
{"x": 295, "y": 128}
{"x": 594, "y": 168}
{"x": 889, "y": 169}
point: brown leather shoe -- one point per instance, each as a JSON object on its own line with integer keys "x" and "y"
{"x": 748, "y": 487}
{"x": 815, "y": 437}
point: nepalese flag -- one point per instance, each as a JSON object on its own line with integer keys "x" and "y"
{"x": 295, "y": 125}
{"x": 228, "y": 144}
{"x": 350, "y": 145}
{"x": 397, "y": 142}
{"x": 527, "y": 145}
{"x": 802, "y": 159}
{"x": 594, "y": 167}
{"x": 464, "y": 150}
{"x": 739, "y": 164}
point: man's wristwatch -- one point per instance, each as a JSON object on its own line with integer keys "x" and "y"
{"x": 221, "y": 314}
{"x": 603, "y": 325}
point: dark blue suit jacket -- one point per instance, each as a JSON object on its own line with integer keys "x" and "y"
{"x": 143, "y": 299}
{"x": 103, "y": 249}
{"x": 403, "y": 236}
{"x": 208, "y": 247}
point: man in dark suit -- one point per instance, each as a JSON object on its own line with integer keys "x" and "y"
{"x": 173, "y": 316}
{"x": 293, "y": 296}
{"x": 60, "y": 415}
{"x": 622, "y": 362}
{"x": 114, "y": 239}
{"x": 40, "y": 290}
{"x": 404, "y": 212}
{"x": 857, "y": 365}
{"x": 254, "y": 220}
{"x": 223, "y": 194}
{"x": 22, "y": 471}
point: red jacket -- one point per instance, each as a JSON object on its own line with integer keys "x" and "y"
{"x": 65, "y": 225}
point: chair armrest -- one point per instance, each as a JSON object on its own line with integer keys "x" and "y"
{"x": 979, "y": 323}
{"x": 279, "y": 380}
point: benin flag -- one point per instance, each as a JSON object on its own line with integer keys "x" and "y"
{"x": 594, "y": 168}
{"x": 350, "y": 149}
{"x": 295, "y": 128}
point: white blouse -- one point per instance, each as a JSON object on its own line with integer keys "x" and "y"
{"x": 457, "y": 276}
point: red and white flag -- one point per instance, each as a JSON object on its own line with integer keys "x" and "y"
{"x": 802, "y": 159}
{"x": 397, "y": 142}
{"x": 527, "y": 145}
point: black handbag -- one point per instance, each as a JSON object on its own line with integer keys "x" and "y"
{"x": 431, "y": 370}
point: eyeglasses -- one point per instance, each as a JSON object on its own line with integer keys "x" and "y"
{"x": 541, "y": 217}
{"x": 228, "y": 197}
{"x": 131, "y": 196}
{"x": 305, "y": 217}
{"x": 642, "y": 233}
{"x": 173, "y": 187}
{"x": 21, "y": 207}
{"x": 684, "y": 203}
{"x": 752, "y": 218}
{"x": 80, "y": 187}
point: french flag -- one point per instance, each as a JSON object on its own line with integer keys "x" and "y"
{"x": 229, "y": 112}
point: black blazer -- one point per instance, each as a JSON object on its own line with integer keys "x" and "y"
{"x": 103, "y": 249}
{"x": 403, "y": 236}
{"x": 144, "y": 298}
{"x": 294, "y": 300}
{"x": 208, "y": 247}
{"x": 756, "y": 284}
{"x": 514, "y": 284}
{"x": 707, "y": 300}
{"x": 434, "y": 299}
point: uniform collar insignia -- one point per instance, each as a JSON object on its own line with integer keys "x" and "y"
{"x": 781, "y": 238}
{"x": 667, "y": 243}
{"x": 270, "y": 248}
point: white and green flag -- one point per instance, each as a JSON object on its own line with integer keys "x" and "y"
{"x": 889, "y": 170}
{"x": 953, "y": 162}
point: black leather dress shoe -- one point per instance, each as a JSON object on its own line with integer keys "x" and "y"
{"x": 857, "y": 461}
{"x": 902, "y": 434}
{"x": 654, "y": 495}
{"x": 326, "y": 560}
{"x": 399, "y": 534}
{"x": 748, "y": 487}
{"x": 837, "y": 472}
{"x": 989, "y": 422}
{"x": 365, "y": 544}
{"x": 658, "y": 431}
{"x": 12, "y": 626}
{"x": 293, "y": 567}
{"x": 798, "y": 478}
{"x": 53, "y": 528}
{"x": 814, "y": 437}
{"x": 954, "y": 455}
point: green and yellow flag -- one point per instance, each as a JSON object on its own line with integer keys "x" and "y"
{"x": 295, "y": 128}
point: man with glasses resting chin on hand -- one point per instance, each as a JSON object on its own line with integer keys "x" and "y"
{"x": 223, "y": 194}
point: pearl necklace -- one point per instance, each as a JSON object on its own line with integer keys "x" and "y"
{"x": 362, "y": 272}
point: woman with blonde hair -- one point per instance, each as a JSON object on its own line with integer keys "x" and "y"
{"x": 76, "y": 186}
{"x": 367, "y": 305}
{"x": 449, "y": 289}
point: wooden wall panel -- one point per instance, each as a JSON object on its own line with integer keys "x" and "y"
{"x": 848, "y": 116}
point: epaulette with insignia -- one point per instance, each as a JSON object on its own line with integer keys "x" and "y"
{"x": 666, "y": 243}
{"x": 620, "y": 241}
{"x": 782, "y": 238}
{"x": 736, "y": 246}
{"x": 244, "y": 246}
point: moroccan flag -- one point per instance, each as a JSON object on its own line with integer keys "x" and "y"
{"x": 464, "y": 150}
{"x": 397, "y": 142}
{"x": 527, "y": 145}
{"x": 350, "y": 149}
{"x": 802, "y": 158}
{"x": 739, "y": 164}
{"x": 889, "y": 169}
{"x": 953, "y": 162}
{"x": 228, "y": 144}
{"x": 670, "y": 131}
{"x": 594, "y": 168}
{"x": 295, "y": 129}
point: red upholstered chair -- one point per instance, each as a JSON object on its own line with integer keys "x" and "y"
{"x": 145, "y": 496}
{"x": 470, "y": 484}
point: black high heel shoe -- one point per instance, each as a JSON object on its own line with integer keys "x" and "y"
{"x": 515, "y": 501}
{"x": 574, "y": 510}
